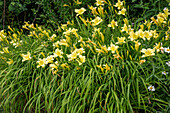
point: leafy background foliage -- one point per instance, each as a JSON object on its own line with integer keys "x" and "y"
{"x": 53, "y": 12}
{"x": 144, "y": 9}
{"x": 42, "y": 12}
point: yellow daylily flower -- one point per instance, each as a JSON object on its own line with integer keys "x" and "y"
{"x": 31, "y": 26}
{"x": 148, "y": 52}
{"x": 99, "y": 2}
{"x": 113, "y": 48}
{"x": 137, "y": 44}
{"x": 10, "y": 61}
{"x": 41, "y": 62}
{"x": 158, "y": 47}
{"x": 50, "y": 59}
{"x": 121, "y": 40}
{"x": 52, "y": 38}
{"x": 81, "y": 60}
{"x": 147, "y": 35}
{"x": 96, "y": 21}
{"x": 53, "y": 66}
{"x": 56, "y": 44}
{"x": 72, "y": 56}
{"x": 141, "y": 34}
{"x": 64, "y": 42}
{"x": 80, "y": 51}
{"x": 67, "y": 32}
{"x": 126, "y": 28}
{"x": 63, "y": 26}
{"x": 26, "y": 57}
{"x": 80, "y": 11}
{"x": 166, "y": 12}
{"x": 113, "y": 24}
{"x": 119, "y": 4}
{"x": 58, "y": 53}
{"x": 74, "y": 31}
{"x": 93, "y": 9}
{"x": 133, "y": 35}
{"x": 123, "y": 11}
{"x": 160, "y": 20}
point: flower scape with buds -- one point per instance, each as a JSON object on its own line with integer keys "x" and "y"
{"x": 105, "y": 44}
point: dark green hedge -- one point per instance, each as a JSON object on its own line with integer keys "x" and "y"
{"x": 53, "y": 12}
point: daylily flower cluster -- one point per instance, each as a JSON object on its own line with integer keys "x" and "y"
{"x": 26, "y": 57}
{"x": 119, "y": 5}
{"x": 70, "y": 45}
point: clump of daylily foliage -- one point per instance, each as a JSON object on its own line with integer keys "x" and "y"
{"x": 117, "y": 52}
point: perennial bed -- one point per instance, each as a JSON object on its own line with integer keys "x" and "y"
{"x": 99, "y": 64}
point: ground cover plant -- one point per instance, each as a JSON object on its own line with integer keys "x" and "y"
{"x": 105, "y": 63}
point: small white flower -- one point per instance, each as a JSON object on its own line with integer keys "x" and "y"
{"x": 165, "y": 8}
{"x": 167, "y": 50}
{"x": 164, "y": 73}
{"x": 168, "y": 63}
{"x": 151, "y": 88}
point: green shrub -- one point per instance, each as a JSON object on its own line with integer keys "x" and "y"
{"x": 144, "y": 9}
{"x": 53, "y": 12}
{"x": 44, "y": 12}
